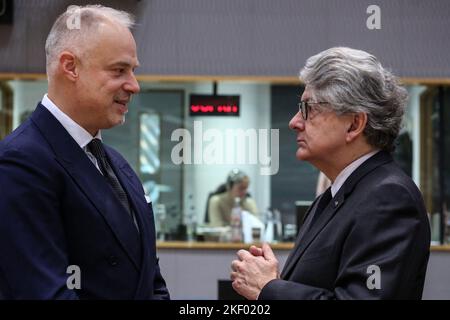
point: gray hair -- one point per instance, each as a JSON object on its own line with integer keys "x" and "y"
{"x": 354, "y": 81}
{"x": 75, "y": 25}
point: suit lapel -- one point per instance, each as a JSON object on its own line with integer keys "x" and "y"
{"x": 130, "y": 235}
{"x": 144, "y": 217}
{"x": 300, "y": 236}
{"x": 74, "y": 160}
{"x": 134, "y": 192}
{"x": 303, "y": 242}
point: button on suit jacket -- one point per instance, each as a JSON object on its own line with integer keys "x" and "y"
{"x": 371, "y": 242}
{"x": 57, "y": 210}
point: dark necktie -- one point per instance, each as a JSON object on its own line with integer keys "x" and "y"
{"x": 310, "y": 219}
{"x": 323, "y": 203}
{"x": 96, "y": 148}
{"x": 314, "y": 215}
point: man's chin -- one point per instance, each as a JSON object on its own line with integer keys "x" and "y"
{"x": 302, "y": 154}
{"x": 119, "y": 120}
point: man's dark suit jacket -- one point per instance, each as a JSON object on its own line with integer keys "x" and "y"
{"x": 57, "y": 210}
{"x": 377, "y": 218}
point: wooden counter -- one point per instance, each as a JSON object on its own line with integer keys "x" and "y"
{"x": 237, "y": 246}
{"x": 193, "y": 270}
{"x": 217, "y": 245}
{"x": 441, "y": 248}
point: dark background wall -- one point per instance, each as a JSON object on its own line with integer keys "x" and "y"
{"x": 250, "y": 37}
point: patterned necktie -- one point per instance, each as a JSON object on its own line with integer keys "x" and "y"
{"x": 96, "y": 148}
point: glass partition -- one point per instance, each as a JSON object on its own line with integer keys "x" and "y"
{"x": 182, "y": 158}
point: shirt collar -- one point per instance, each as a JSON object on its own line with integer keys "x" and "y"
{"x": 78, "y": 133}
{"x": 348, "y": 170}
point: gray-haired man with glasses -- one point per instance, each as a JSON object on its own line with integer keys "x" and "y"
{"x": 367, "y": 236}
{"x": 305, "y": 107}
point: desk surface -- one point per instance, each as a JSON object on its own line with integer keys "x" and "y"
{"x": 237, "y": 246}
{"x": 217, "y": 245}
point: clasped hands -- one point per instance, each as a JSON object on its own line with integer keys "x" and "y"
{"x": 253, "y": 270}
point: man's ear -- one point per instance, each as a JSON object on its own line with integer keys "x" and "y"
{"x": 356, "y": 126}
{"x": 69, "y": 65}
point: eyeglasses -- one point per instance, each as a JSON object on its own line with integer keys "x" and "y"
{"x": 304, "y": 107}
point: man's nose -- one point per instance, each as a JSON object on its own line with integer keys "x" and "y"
{"x": 297, "y": 122}
{"x": 132, "y": 85}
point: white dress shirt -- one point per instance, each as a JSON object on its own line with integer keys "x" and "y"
{"x": 348, "y": 170}
{"x": 78, "y": 133}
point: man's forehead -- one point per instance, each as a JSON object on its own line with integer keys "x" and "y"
{"x": 126, "y": 62}
{"x": 111, "y": 34}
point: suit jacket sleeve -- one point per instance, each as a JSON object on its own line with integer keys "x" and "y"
{"x": 160, "y": 292}
{"x": 31, "y": 231}
{"x": 388, "y": 226}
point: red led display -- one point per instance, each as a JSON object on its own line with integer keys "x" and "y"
{"x": 213, "y": 105}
